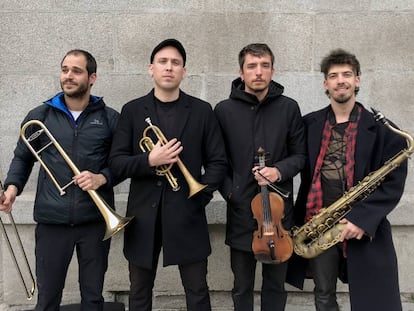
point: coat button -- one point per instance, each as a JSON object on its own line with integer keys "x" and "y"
{"x": 159, "y": 183}
{"x": 154, "y": 205}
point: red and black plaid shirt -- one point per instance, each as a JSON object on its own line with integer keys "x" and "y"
{"x": 315, "y": 196}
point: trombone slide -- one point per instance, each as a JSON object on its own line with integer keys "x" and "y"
{"x": 28, "y": 291}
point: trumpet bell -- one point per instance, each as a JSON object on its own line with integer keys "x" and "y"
{"x": 196, "y": 189}
{"x": 194, "y": 186}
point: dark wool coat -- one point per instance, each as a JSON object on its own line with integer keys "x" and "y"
{"x": 274, "y": 124}
{"x": 371, "y": 261}
{"x": 185, "y": 236}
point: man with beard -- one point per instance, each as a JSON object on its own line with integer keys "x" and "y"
{"x": 83, "y": 125}
{"x": 258, "y": 115}
{"x": 345, "y": 144}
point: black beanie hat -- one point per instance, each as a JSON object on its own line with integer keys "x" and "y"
{"x": 169, "y": 42}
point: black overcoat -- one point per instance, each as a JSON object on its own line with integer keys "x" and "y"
{"x": 371, "y": 261}
{"x": 274, "y": 124}
{"x": 185, "y": 236}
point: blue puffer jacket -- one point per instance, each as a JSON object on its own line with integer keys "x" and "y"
{"x": 87, "y": 142}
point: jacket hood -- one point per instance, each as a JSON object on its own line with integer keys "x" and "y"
{"x": 238, "y": 92}
{"x": 58, "y": 102}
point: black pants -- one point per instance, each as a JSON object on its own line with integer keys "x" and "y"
{"x": 273, "y": 293}
{"x": 193, "y": 278}
{"x": 54, "y": 250}
{"x": 325, "y": 273}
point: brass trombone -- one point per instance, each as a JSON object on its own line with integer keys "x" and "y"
{"x": 114, "y": 222}
{"x": 29, "y": 292}
{"x": 147, "y": 144}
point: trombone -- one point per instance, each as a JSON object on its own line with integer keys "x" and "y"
{"x": 29, "y": 291}
{"x": 147, "y": 144}
{"x": 114, "y": 222}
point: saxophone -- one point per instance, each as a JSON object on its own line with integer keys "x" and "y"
{"x": 324, "y": 230}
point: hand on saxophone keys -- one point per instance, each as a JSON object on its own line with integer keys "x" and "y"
{"x": 164, "y": 154}
{"x": 350, "y": 231}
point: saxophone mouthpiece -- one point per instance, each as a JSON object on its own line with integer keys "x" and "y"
{"x": 378, "y": 116}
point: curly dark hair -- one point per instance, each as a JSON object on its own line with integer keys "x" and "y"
{"x": 340, "y": 57}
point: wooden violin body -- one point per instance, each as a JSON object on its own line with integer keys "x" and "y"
{"x": 271, "y": 244}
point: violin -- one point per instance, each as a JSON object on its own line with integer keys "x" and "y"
{"x": 271, "y": 244}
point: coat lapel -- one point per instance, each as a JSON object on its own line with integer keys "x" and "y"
{"x": 183, "y": 113}
{"x": 315, "y": 130}
{"x": 150, "y": 109}
{"x": 364, "y": 144}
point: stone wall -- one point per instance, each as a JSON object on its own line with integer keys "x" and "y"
{"x": 34, "y": 36}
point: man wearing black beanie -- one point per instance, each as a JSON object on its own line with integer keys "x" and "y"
{"x": 169, "y": 213}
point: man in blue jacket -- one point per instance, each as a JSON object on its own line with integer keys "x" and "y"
{"x": 83, "y": 125}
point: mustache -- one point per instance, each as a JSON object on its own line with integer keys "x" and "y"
{"x": 69, "y": 81}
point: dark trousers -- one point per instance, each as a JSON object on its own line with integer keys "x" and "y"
{"x": 273, "y": 293}
{"x": 193, "y": 278}
{"x": 54, "y": 250}
{"x": 325, "y": 273}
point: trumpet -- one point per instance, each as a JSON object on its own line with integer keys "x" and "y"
{"x": 114, "y": 222}
{"x": 146, "y": 144}
{"x": 28, "y": 291}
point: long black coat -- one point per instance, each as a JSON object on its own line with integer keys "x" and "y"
{"x": 371, "y": 261}
{"x": 274, "y": 124}
{"x": 185, "y": 236}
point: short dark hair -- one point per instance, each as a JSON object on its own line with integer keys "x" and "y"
{"x": 256, "y": 49}
{"x": 340, "y": 57}
{"x": 90, "y": 60}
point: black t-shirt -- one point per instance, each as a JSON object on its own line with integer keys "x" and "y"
{"x": 167, "y": 115}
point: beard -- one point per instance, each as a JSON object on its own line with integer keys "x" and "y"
{"x": 342, "y": 99}
{"x": 256, "y": 89}
{"x": 78, "y": 92}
